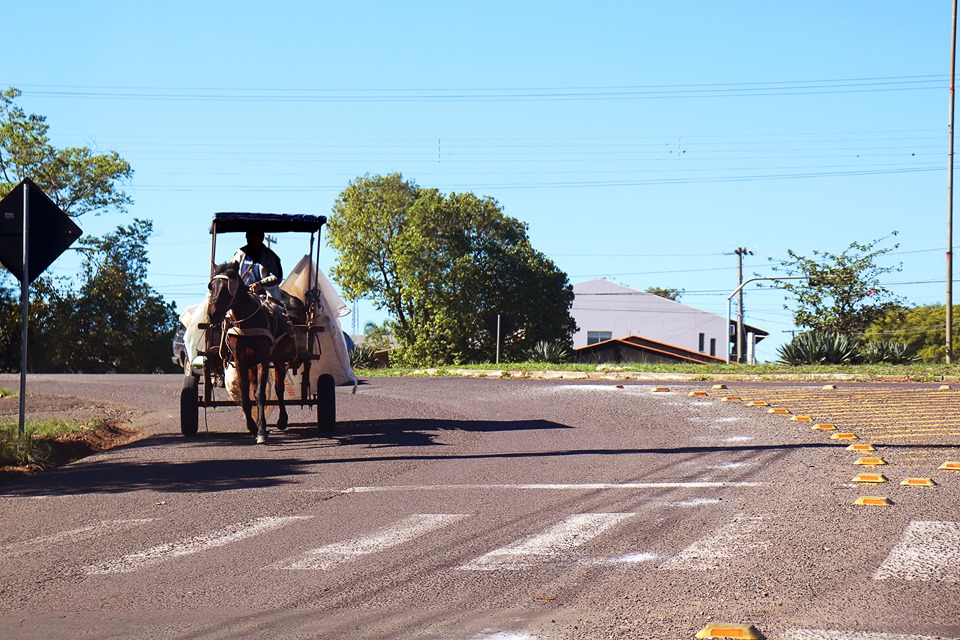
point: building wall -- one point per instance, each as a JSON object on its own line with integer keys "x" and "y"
{"x": 601, "y": 305}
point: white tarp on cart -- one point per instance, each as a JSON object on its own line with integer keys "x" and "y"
{"x": 334, "y": 356}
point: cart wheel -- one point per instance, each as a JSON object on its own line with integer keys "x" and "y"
{"x": 189, "y": 401}
{"x": 326, "y": 403}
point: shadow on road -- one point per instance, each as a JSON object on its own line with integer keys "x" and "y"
{"x": 239, "y": 463}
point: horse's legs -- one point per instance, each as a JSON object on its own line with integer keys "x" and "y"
{"x": 262, "y": 378}
{"x": 279, "y": 373}
{"x": 245, "y": 402}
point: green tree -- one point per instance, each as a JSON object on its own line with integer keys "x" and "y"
{"x": 113, "y": 321}
{"x": 437, "y": 263}
{"x": 75, "y": 178}
{"x": 126, "y": 326}
{"x": 378, "y": 336}
{"x": 921, "y": 328}
{"x": 666, "y": 292}
{"x": 843, "y": 293}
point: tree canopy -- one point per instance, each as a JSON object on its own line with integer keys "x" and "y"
{"x": 843, "y": 293}
{"x": 922, "y": 329}
{"x": 669, "y": 293}
{"x": 77, "y": 180}
{"x": 111, "y": 320}
{"x": 438, "y": 263}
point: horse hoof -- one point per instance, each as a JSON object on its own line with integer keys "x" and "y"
{"x": 282, "y": 425}
{"x": 261, "y": 439}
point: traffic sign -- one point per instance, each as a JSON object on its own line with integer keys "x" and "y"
{"x": 50, "y": 231}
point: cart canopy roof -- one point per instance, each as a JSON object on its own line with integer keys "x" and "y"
{"x": 227, "y": 222}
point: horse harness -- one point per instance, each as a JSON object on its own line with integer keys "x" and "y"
{"x": 234, "y": 327}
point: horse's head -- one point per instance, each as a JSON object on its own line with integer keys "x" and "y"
{"x": 225, "y": 289}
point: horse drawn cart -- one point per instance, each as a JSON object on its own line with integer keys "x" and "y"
{"x": 308, "y": 356}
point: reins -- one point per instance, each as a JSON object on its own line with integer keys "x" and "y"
{"x": 236, "y": 329}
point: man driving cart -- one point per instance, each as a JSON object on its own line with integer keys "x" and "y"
{"x": 258, "y": 262}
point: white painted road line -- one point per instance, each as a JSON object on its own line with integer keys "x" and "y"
{"x": 69, "y": 537}
{"x": 403, "y": 531}
{"x": 561, "y": 537}
{"x": 928, "y": 550}
{"x": 188, "y": 546}
{"x": 821, "y": 634}
{"x": 713, "y": 552}
{"x": 549, "y": 487}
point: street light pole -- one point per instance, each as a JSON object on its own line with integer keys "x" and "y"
{"x": 738, "y": 290}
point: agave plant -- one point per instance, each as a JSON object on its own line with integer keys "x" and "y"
{"x": 819, "y": 347}
{"x": 891, "y": 352}
{"x": 361, "y": 357}
{"x": 544, "y": 351}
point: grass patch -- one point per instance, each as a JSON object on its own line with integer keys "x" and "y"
{"x": 8, "y": 393}
{"x": 38, "y": 447}
{"x": 908, "y": 372}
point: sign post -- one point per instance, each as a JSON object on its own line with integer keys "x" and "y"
{"x": 25, "y": 303}
{"x": 26, "y": 255}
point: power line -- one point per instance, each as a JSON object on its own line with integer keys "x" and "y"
{"x": 500, "y": 94}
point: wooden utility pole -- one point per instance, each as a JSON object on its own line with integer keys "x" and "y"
{"x": 949, "y": 305}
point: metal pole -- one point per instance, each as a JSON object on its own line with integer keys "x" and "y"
{"x": 498, "y": 338}
{"x": 740, "y": 252}
{"x": 738, "y": 289}
{"x": 740, "y": 307}
{"x": 949, "y": 305}
{"x": 25, "y": 303}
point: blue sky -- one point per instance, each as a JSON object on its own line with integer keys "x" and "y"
{"x": 641, "y": 141}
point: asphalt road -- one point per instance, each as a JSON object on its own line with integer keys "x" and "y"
{"x": 464, "y": 509}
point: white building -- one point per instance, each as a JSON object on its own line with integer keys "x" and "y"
{"x": 605, "y": 310}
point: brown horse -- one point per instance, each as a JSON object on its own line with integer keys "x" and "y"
{"x": 258, "y": 334}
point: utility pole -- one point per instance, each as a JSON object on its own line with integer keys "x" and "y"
{"x": 269, "y": 240}
{"x": 740, "y": 252}
{"x": 949, "y": 305}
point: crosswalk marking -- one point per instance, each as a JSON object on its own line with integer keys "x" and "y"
{"x": 928, "y": 550}
{"x": 561, "y": 537}
{"x": 549, "y": 487}
{"x": 403, "y": 531}
{"x": 188, "y": 546}
{"x": 72, "y": 536}
{"x": 714, "y": 551}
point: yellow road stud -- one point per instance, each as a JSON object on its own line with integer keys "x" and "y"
{"x": 875, "y": 501}
{"x": 870, "y": 477}
{"x": 747, "y": 631}
{"x": 719, "y": 386}
{"x": 844, "y": 436}
{"x": 758, "y": 403}
{"x": 950, "y": 466}
{"x": 802, "y": 418}
{"x": 697, "y": 394}
{"x": 783, "y": 411}
{"x": 660, "y": 389}
{"x": 861, "y": 447}
{"x": 824, "y": 427}
{"x": 730, "y": 399}
{"x": 870, "y": 462}
{"x": 918, "y": 482}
